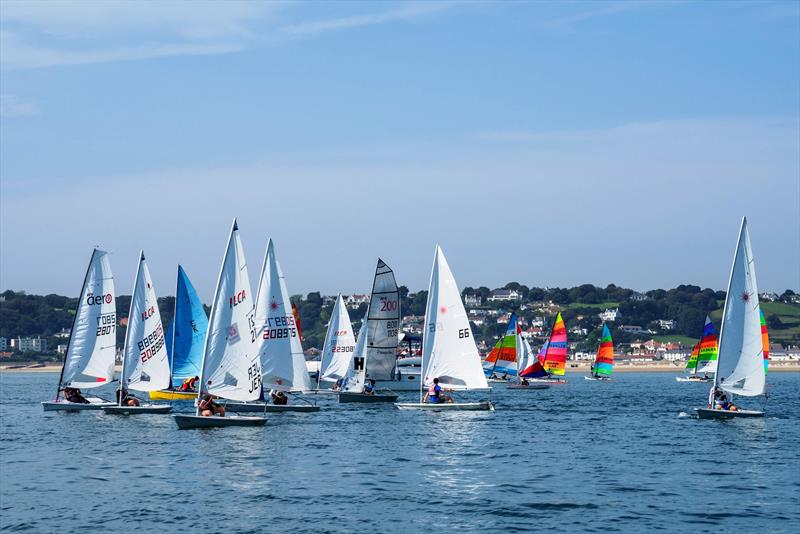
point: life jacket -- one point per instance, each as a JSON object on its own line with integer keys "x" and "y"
{"x": 432, "y": 391}
{"x": 188, "y": 384}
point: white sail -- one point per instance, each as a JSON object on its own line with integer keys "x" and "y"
{"x": 283, "y": 363}
{"x": 337, "y": 353}
{"x": 740, "y": 367}
{"x": 356, "y": 369}
{"x": 383, "y": 324}
{"x": 525, "y": 354}
{"x": 89, "y": 360}
{"x": 448, "y": 350}
{"x": 145, "y": 364}
{"x": 230, "y": 366}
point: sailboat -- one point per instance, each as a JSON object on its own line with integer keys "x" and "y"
{"x": 230, "y": 367}
{"x": 740, "y": 363}
{"x": 704, "y": 356}
{"x": 185, "y": 337}
{"x": 525, "y": 358}
{"x": 89, "y": 361}
{"x": 340, "y": 343}
{"x": 764, "y": 339}
{"x": 449, "y": 353}
{"x": 502, "y": 359}
{"x": 283, "y": 364}
{"x": 383, "y": 327}
{"x": 551, "y": 362}
{"x": 145, "y": 363}
{"x": 603, "y": 364}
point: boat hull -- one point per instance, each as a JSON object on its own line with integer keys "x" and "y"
{"x": 446, "y": 406}
{"x": 186, "y": 422}
{"x": 168, "y": 395}
{"x": 260, "y": 407}
{"x": 66, "y": 406}
{"x": 707, "y": 413}
{"x": 345, "y": 396}
{"x": 596, "y": 379}
{"x": 551, "y": 381}
{"x": 689, "y": 379}
{"x": 134, "y": 410}
{"x": 536, "y": 385}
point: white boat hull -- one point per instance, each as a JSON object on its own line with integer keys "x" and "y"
{"x": 449, "y": 406}
{"x": 692, "y": 379}
{"x": 66, "y": 406}
{"x": 707, "y": 413}
{"x": 538, "y": 385}
{"x": 548, "y": 380}
{"x": 596, "y": 379}
{"x": 186, "y": 422}
{"x": 134, "y": 410}
{"x": 269, "y": 408}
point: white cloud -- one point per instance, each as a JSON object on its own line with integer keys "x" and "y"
{"x": 14, "y": 106}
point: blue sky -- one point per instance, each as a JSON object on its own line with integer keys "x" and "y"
{"x": 547, "y": 143}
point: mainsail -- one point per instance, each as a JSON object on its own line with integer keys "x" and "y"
{"x": 764, "y": 339}
{"x": 145, "y": 364}
{"x": 525, "y": 355}
{"x": 740, "y": 368}
{"x": 555, "y": 352}
{"x": 337, "y": 352}
{"x": 448, "y": 350}
{"x": 230, "y": 367}
{"x": 704, "y": 354}
{"x": 502, "y": 359}
{"x": 604, "y": 359}
{"x": 283, "y": 363}
{"x": 383, "y": 324}
{"x": 187, "y": 331}
{"x": 89, "y": 361}
{"x": 356, "y": 368}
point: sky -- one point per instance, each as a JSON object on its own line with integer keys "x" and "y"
{"x": 548, "y": 143}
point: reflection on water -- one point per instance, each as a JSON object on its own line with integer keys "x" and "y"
{"x": 589, "y": 456}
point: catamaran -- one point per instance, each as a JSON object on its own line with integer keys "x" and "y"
{"x": 551, "y": 362}
{"x": 185, "y": 338}
{"x": 340, "y": 343}
{"x": 525, "y": 358}
{"x": 230, "y": 367}
{"x": 501, "y": 362}
{"x": 740, "y": 363}
{"x": 89, "y": 361}
{"x": 449, "y": 353}
{"x": 704, "y": 356}
{"x": 283, "y": 364}
{"x": 145, "y": 363}
{"x": 603, "y": 364}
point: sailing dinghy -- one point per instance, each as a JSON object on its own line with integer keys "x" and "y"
{"x": 283, "y": 364}
{"x": 230, "y": 367}
{"x": 185, "y": 338}
{"x": 551, "y": 362}
{"x": 145, "y": 364}
{"x": 448, "y": 350}
{"x": 740, "y": 362}
{"x": 89, "y": 361}
{"x": 337, "y": 351}
{"x": 603, "y": 364}
{"x": 501, "y": 362}
{"x": 704, "y": 356}
{"x": 525, "y": 358}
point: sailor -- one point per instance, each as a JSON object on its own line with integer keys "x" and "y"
{"x": 190, "y": 384}
{"x": 127, "y": 398}
{"x": 525, "y": 382}
{"x": 434, "y": 394}
{"x": 369, "y": 387}
{"x": 74, "y": 395}
{"x": 208, "y": 407}
{"x": 279, "y": 398}
{"x": 339, "y": 384}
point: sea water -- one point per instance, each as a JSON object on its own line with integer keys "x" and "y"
{"x": 619, "y": 456}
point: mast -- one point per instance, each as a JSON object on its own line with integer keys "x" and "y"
{"x": 128, "y": 330}
{"x": 234, "y": 228}
{"x": 434, "y": 268}
{"x": 727, "y": 298}
{"x": 74, "y": 319}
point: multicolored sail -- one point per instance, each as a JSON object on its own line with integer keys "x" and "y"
{"x": 704, "y": 354}
{"x": 555, "y": 354}
{"x": 604, "y": 359}
{"x": 503, "y": 357}
{"x": 764, "y": 340}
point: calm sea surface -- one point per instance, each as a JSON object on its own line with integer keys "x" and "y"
{"x": 586, "y": 456}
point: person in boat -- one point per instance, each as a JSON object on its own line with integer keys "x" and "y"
{"x": 525, "y": 382}
{"x": 209, "y": 408}
{"x": 505, "y": 376}
{"x": 705, "y": 376}
{"x": 369, "y": 387}
{"x": 339, "y": 384}
{"x": 721, "y": 401}
{"x": 127, "y": 398}
{"x": 494, "y": 376}
{"x": 74, "y": 395}
{"x": 279, "y": 398}
{"x": 190, "y": 384}
{"x": 434, "y": 394}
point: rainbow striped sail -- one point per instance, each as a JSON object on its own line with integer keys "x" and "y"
{"x": 555, "y": 354}
{"x": 764, "y": 339}
{"x": 704, "y": 355}
{"x": 502, "y": 360}
{"x": 604, "y": 359}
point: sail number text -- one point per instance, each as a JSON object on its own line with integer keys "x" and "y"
{"x": 280, "y": 327}
{"x": 106, "y": 324}
{"x": 254, "y": 377}
{"x": 150, "y": 345}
